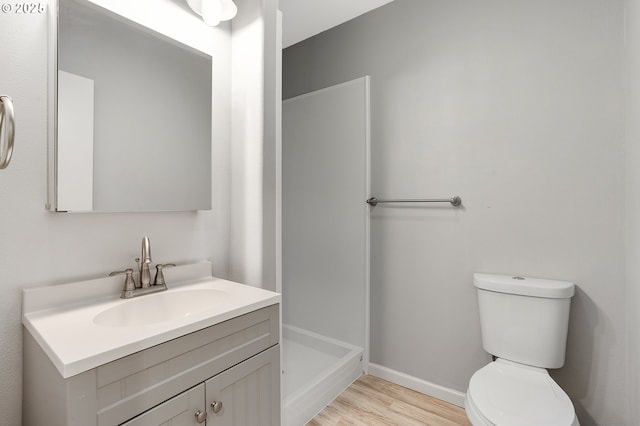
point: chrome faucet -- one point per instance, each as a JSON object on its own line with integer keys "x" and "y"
{"x": 143, "y": 263}
{"x": 131, "y": 288}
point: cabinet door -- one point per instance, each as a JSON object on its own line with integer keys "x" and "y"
{"x": 178, "y": 411}
{"x": 247, "y": 394}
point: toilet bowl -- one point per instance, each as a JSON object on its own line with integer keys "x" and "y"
{"x": 511, "y": 394}
{"x": 524, "y": 324}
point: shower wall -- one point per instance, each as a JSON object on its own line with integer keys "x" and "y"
{"x": 324, "y": 214}
{"x": 518, "y": 107}
{"x": 633, "y": 203}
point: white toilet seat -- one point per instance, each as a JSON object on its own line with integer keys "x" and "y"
{"x": 473, "y": 413}
{"x": 512, "y": 394}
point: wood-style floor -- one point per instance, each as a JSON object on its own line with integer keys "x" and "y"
{"x": 372, "y": 401}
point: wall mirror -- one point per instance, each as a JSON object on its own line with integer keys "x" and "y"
{"x": 132, "y": 110}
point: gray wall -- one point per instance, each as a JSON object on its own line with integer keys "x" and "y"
{"x": 39, "y": 247}
{"x": 633, "y": 203}
{"x": 518, "y": 107}
{"x": 272, "y": 100}
{"x": 253, "y": 144}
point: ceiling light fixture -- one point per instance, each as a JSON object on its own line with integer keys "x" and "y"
{"x": 214, "y": 11}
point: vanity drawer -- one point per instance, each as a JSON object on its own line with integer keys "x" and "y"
{"x": 133, "y": 384}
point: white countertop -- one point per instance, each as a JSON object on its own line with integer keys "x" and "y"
{"x": 61, "y": 317}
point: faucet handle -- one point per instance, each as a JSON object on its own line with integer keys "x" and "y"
{"x": 159, "y": 279}
{"x": 129, "y": 283}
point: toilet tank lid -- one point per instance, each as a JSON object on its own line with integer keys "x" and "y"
{"x": 526, "y": 286}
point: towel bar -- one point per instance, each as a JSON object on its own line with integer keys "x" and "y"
{"x": 455, "y": 201}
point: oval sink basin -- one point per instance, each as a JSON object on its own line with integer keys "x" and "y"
{"x": 160, "y": 307}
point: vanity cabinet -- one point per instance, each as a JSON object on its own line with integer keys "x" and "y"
{"x": 245, "y": 394}
{"x": 235, "y": 363}
{"x": 242, "y": 395}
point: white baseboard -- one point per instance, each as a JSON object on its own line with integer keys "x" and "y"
{"x": 445, "y": 394}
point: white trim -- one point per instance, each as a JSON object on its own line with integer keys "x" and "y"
{"x": 278, "y": 191}
{"x": 367, "y": 192}
{"x": 445, "y": 394}
{"x": 278, "y": 154}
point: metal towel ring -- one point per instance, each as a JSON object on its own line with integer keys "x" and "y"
{"x": 7, "y": 130}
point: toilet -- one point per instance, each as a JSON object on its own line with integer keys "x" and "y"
{"x": 524, "y": 323}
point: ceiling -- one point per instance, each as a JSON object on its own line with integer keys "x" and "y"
{"x": 302, "y": 19}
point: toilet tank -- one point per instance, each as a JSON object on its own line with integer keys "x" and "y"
{"x": 524, "y": 319}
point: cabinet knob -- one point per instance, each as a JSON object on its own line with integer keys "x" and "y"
{"x": 201, "y": 416}
{"x": 216, "y": 406}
